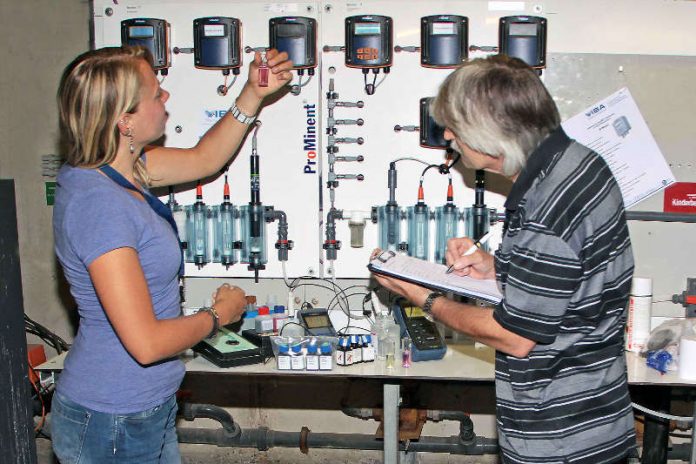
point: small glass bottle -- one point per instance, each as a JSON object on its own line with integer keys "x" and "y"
{"x": 264, "y": 321}
{"x": 356, "y": 348}
{"x": 297, "y": 357}
{"x": 312, "y": 357}
{"x": 368, "y": 351}
{"x": 283, "y": 358}
{"x": 344, "y": 355}
{"x": 325, "y": 357}
{"x": 249, "y": 319}
{"x": 280, "y": 318}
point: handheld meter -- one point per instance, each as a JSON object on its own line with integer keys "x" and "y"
{"x": 523, "y": 37}
{"x": 368, "y": 41}
{"x": 444, "y": 41}
{"x": 217, "y": 43}
{"x": 297, "y": 36}
{"x": 152, "y": 34}
{"x": 432, "y": 135}
{"x": 427, "y": 343}
{"x": 316, "y": 321}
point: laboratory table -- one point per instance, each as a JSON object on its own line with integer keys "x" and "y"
{"x": 463, "y": 364}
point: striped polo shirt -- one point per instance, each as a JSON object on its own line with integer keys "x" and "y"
{"x": 565, "y": 265}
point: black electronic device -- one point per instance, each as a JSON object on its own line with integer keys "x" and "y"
{"x": 369, "y": 41}
{"x": 217, "y": 43}
{"x": 228, "y": 349}
{"x": 432, "y": 135}
{"x": 523, "y": 37}
{"x": 152, "y": 34}
{"x": 316, "y": 321}
{"x": 427, "y": 343}
{"x": 444, "y": 41}
{"x": 297, "y": 36}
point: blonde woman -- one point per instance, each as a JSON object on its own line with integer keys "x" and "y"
{"x": 115, "y": 401}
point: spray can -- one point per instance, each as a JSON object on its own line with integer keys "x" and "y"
{"x": 639, "y": 314}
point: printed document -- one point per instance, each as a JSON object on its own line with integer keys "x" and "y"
{"x": 615, "y": 128}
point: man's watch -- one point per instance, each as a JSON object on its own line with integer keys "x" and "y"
{"x": 241, "y": 117}
{"x": 428, "y": 304}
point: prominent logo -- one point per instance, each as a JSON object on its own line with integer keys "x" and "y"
{"x": 595, "y": 110}
{"x": 690, "y": 200}
{"x": 309, "y": 140}
{"x": 215, "y": 114}
{"x": 680, "y": 197}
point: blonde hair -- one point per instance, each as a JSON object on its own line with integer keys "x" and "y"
{"x": 497, "y": 106}
{"x": 96, "y": 88}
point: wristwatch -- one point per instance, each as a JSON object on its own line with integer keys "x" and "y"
{"x": 428, "y": 304}
{"x": 241, "y": 117}
{"x": 216, "y": 320}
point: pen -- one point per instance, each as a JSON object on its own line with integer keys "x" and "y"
{"x": 477, "y": 244}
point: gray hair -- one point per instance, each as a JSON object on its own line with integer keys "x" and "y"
{"x": 497, "y": 106}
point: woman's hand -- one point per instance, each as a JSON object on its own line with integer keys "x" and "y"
{"x": 279, "y": 72}
{"x": 479, "y": 264}
{"x": 229, "y": 302}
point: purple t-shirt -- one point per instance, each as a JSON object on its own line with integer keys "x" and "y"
{"x": 92, "y": 216}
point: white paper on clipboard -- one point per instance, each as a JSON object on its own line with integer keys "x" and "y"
{"x": 434, "y": 276}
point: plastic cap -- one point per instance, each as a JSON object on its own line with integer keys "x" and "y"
{"x": 282, "y": 348}
{"x": 264, "y": 311}
{"x": 311, "y": 349}
{"x": 325, "y": 348}
{"x": 279, "y": 309}
{"x": 250, "y": 314}
{"x": 641, "y": 286}
{"x": 296, "y": 348}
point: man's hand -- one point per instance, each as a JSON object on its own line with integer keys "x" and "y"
{"x": 479, "y": 265}
{"x": 412, "y": 292}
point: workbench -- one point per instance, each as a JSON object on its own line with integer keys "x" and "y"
{"x": 464, "y": 364}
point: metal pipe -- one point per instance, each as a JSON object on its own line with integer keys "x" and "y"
{"x": 659, "y": 216}
{"x": 466, "y": 425}
{"x": 262, "y": 439}
{"x": 191, "y": 411}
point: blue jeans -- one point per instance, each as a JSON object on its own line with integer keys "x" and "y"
{"x": 83, "y": 436}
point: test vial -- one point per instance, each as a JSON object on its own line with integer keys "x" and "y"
{"x": 406, "y": 352}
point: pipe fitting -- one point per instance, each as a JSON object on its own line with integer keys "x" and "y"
{"x": 208, "y": 411}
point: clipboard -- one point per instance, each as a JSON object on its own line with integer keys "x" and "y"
{"x": 434, "y": 276}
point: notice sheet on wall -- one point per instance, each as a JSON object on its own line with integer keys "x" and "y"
{"x": 615, "y": 128}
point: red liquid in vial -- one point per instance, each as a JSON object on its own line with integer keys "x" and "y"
{"x": 263, "y": 75}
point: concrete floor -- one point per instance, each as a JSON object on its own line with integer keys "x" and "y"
{"x": 206, "y": 454}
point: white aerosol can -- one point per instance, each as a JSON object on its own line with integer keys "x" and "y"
{"x": 639, "y": 313}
